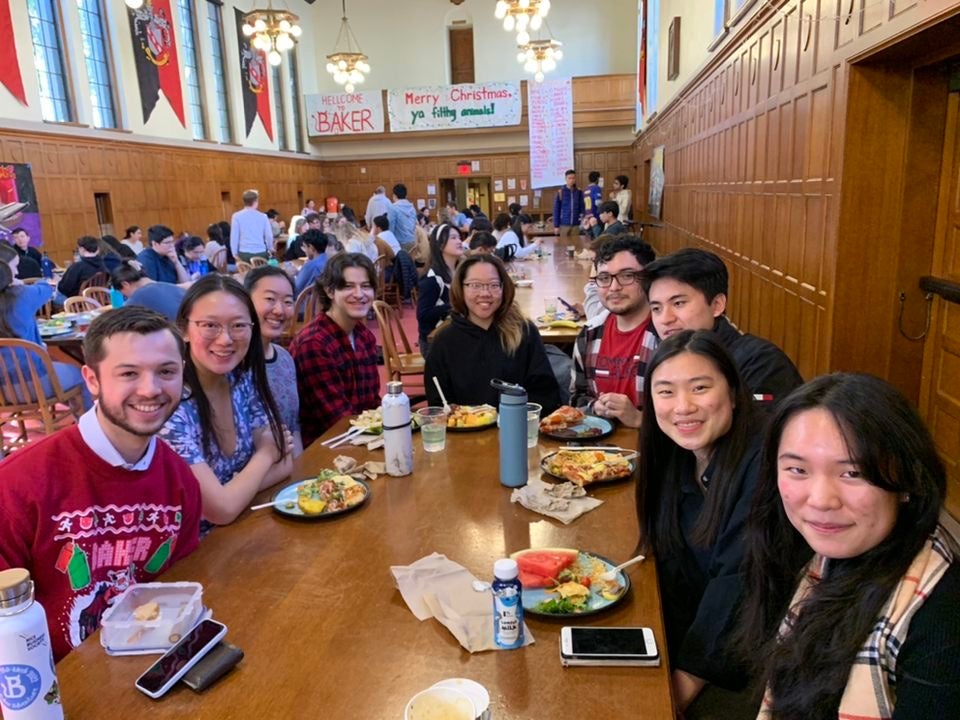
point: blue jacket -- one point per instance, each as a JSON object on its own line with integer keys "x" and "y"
{"x": 568, "y": 207}
{"x": 593, "y": 197}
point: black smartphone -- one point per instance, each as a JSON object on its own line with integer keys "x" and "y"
{"x": 165, "y": 672}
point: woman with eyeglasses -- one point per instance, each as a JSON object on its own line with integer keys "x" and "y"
{"x": 486, "y": 337}
{"x": 228, "y": 427}
{"x": 698, "y": 467}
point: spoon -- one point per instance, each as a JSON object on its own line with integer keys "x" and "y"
{"x": 446, "y": 405}
{"x": 612, "y": 574}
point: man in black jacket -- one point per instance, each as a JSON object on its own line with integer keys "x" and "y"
{"x": 687, "y": 290}
{"x": 30, "y": 258}
{"x": 89, "y": 264}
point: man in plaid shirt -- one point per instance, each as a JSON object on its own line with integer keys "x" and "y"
{"x": 611, "y": 354}
{"x": 336, "y": 355}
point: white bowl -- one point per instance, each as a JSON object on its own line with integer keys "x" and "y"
{"x": 472, "y": 689}
{"x": 524, "y": 283}
{"x": 440, "y": 703}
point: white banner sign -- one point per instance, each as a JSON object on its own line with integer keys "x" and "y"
{"x": 550, "y": 116}
{"x": 452, "y": 107}
{"x": 344, "y": 113}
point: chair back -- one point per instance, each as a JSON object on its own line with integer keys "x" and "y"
{"x": 307, "y": 306}
{"x": 100, "y": 295}
{"x": 243, "y": 267}
{"x": 380, "y": 266}
{"x": 258, "y": 262}
{"x": 390, "y": 331}
{"x": 31, "y": 391}
{"x": 79, "y": 304}
{"x": 219, "y": 260}
{"x": 101, "y": 279}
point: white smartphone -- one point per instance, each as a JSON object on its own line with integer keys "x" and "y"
{"x": 608, "y": 646}
{"x": 165, "y": 672}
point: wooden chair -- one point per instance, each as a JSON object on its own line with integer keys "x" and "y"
{"x": 388, "y": 292}
{"x": 243, "y": 267}
{"x": 79, "y": 304}
{"x": 258, "y": 262}
{"x": 219, "y": 260}
{"x": 23, "y": 368}
{"x": 101, "y": 279}
{"x": 99, "y": 294}
{"x": 400, "y": 361}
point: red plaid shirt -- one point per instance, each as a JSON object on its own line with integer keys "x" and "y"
{"x": 334, "y": 379}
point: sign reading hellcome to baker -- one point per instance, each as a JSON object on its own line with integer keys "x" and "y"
{"x": 344, "y": 113}
{"x": 452, "y": 107}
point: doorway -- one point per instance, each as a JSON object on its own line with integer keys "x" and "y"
{"x": 467, "y": 191}
{"x": 104, "y": 213}
{"x": 939, "y": 388}
{"x": 225, "y": 205}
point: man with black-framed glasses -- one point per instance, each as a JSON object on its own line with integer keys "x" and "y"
{"x": 612, "y": 351}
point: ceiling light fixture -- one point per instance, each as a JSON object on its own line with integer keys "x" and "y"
{"x": 347, "y": 63}
{"x": 273, "y": 31}
{"x": 134, "y": 4}
{"x": 522, "y": 15}
{"x": 540, "y": 56}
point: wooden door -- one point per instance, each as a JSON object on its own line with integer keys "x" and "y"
{"x": 940, "y": 387}
{"x": 461, "y": 55}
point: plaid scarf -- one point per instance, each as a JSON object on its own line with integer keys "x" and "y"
{"x": 870, "y": 693}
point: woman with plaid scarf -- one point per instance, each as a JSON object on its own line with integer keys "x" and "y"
{"x": 852, "y": 582}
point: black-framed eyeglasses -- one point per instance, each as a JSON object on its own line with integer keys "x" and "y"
{"x": 493, "y": 287}
{"x": 210, "y": 330}
{"x": 623, "y": 278}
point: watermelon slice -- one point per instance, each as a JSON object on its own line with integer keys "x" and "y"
{"x": 539, "y": 568}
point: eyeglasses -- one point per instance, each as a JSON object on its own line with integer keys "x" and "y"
{"x": 210, "y": 330}
{"x": 623, "y": 278}
{"x": 493, "y": 287}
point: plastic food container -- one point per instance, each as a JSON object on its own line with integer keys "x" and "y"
{"x": 181, "y": 604}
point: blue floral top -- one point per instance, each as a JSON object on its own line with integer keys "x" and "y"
{"x": 182, "y": 430}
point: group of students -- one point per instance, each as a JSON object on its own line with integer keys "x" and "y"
{"x": 796, "y": 527}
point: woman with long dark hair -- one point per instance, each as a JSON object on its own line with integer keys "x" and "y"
{"x": 228, "y": 427}
{"x": 853, "y": 586}
{"x": 698, "y": 465}
{"x": 486, "y": 337}
{"x": 446, "y": 250}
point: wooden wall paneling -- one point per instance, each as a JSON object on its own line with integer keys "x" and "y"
{"x": 806, "y": 29}
{"x": 847, "y": 23}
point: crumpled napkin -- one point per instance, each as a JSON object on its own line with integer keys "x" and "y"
{"x": 435, "y": 586}
{"x": 564, "y": 502}
{"x": 371, "y": 441}
{"x": 349, "y": 466}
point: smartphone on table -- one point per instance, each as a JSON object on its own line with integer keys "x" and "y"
{"x": 190, "y": 649}
{"x": 608, "y": 646}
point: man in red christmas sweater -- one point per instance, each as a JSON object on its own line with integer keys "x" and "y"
{"x": 102, "y": 505}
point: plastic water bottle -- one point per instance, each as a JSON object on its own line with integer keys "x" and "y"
{"x": 507, "y": 605}
{"x": 397, "y": 433}
{"x": 28, "y": 683}
{"x": 116, "y": 298}
{"x": 513, "y": 433}
{"x": 46, "y": 266}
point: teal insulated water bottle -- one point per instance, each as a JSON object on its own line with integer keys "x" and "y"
{"x": 513, "y": 433}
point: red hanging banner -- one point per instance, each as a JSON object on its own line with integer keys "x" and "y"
{"x": 9, "y": 66}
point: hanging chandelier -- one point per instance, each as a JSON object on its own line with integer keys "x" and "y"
{"x": 522, "y": 15}
{"x": 273, "y": 31}
{"x": 347, "y": 63}
{"x": 540, "y": 56}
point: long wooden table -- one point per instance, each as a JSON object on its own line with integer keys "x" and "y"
{"x": 553, "y": 275}
{"x": 327, "y": 635}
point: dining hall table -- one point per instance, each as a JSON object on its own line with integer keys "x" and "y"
{"x": 553, "y": 275}
{"x": 326, "y": 634}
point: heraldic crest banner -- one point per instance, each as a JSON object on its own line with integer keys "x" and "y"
{"x": 9, "y": 66}
{"x": 255, "y": 81}
{"x": 155, "y": 49}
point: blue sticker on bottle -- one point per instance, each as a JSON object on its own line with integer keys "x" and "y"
{"x": 19, "y": 686}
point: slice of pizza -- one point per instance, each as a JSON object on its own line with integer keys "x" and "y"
{"x": 560, "y": 419}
